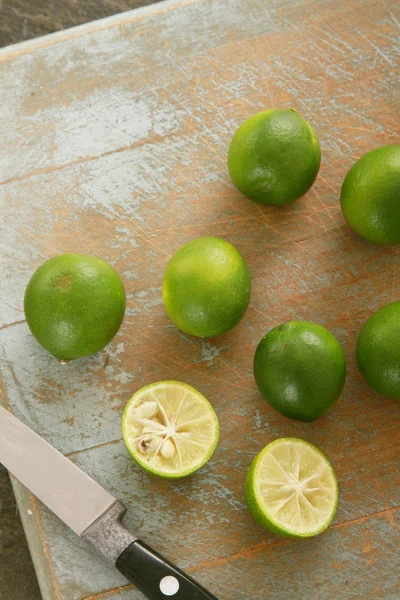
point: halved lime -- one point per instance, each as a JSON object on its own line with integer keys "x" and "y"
{"x": 291, "y": 488}
{"x": 170, "y": 429}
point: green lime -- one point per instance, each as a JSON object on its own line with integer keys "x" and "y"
{"x": 274, "y": 157}
{"x": 291, "y": 489}
{"x": 300, "y": 369}
{"x": 206, "y": 287}
{"x": 74, "y": 305}
{"x": 378, "y": 350}
{"x": 170, "y": 429}
{"x": 370, "y": 197}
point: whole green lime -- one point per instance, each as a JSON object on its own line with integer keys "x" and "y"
{"x": 300, "y": 369}
{"x": 370, "y": 196}
{"x": 274, "y": 157}
{"x": 206, "y": 287}
{"x": 378, "y": 350}
{"x": 74, "y": 305}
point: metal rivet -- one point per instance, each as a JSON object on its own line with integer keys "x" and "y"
{"x": 169, "y": 585}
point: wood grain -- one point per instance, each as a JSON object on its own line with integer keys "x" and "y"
{"x": 114, "y": 143}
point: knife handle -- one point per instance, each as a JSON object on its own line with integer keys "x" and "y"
{"x": 156, "y": 577}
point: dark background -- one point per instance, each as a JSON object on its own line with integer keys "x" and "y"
{"x": 21, "y": 20}
{"x": 24, "y": 19}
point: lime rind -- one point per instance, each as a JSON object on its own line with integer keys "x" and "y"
{"x": 300, "y": 369}
{"x": 74, "y": 305}
{"x": 264, "y": 513}
{"x": 195, "y": 442}
{"x": 378, "y": 350}
{"x": 206, "y": 287}
{"x": 369, "y": 195}
{"x": 274, "y": 157}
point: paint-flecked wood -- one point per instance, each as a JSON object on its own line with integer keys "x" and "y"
{"x": 114, "y": 142}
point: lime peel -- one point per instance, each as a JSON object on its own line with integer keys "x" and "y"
{"x": 206, "y": 287}
{"x": 274, "y": 157}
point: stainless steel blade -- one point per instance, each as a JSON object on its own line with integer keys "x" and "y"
{"x": 89, "y": 510}
{"x": 56, "y": 481}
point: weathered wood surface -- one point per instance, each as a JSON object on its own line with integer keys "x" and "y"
{"x": 113, "y": 142}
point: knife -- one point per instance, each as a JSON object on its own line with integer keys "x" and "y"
{"x": 90, "y": 511}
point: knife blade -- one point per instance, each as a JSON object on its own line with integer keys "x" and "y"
{"x": 91, "y": 512}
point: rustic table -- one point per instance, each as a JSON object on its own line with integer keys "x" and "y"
{"x": 114, "y": 142}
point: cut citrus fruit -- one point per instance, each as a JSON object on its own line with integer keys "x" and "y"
{"x": 170, "y": 429}
{"x": 291, "y": 488}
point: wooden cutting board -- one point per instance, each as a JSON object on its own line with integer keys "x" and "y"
{"x": 114, "y": 142}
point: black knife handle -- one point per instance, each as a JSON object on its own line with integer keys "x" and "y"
{"x": 156, "y": 577}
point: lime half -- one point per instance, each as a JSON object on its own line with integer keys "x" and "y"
{"x": 170, "y": 429}
{"x": 291, "y": 488}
